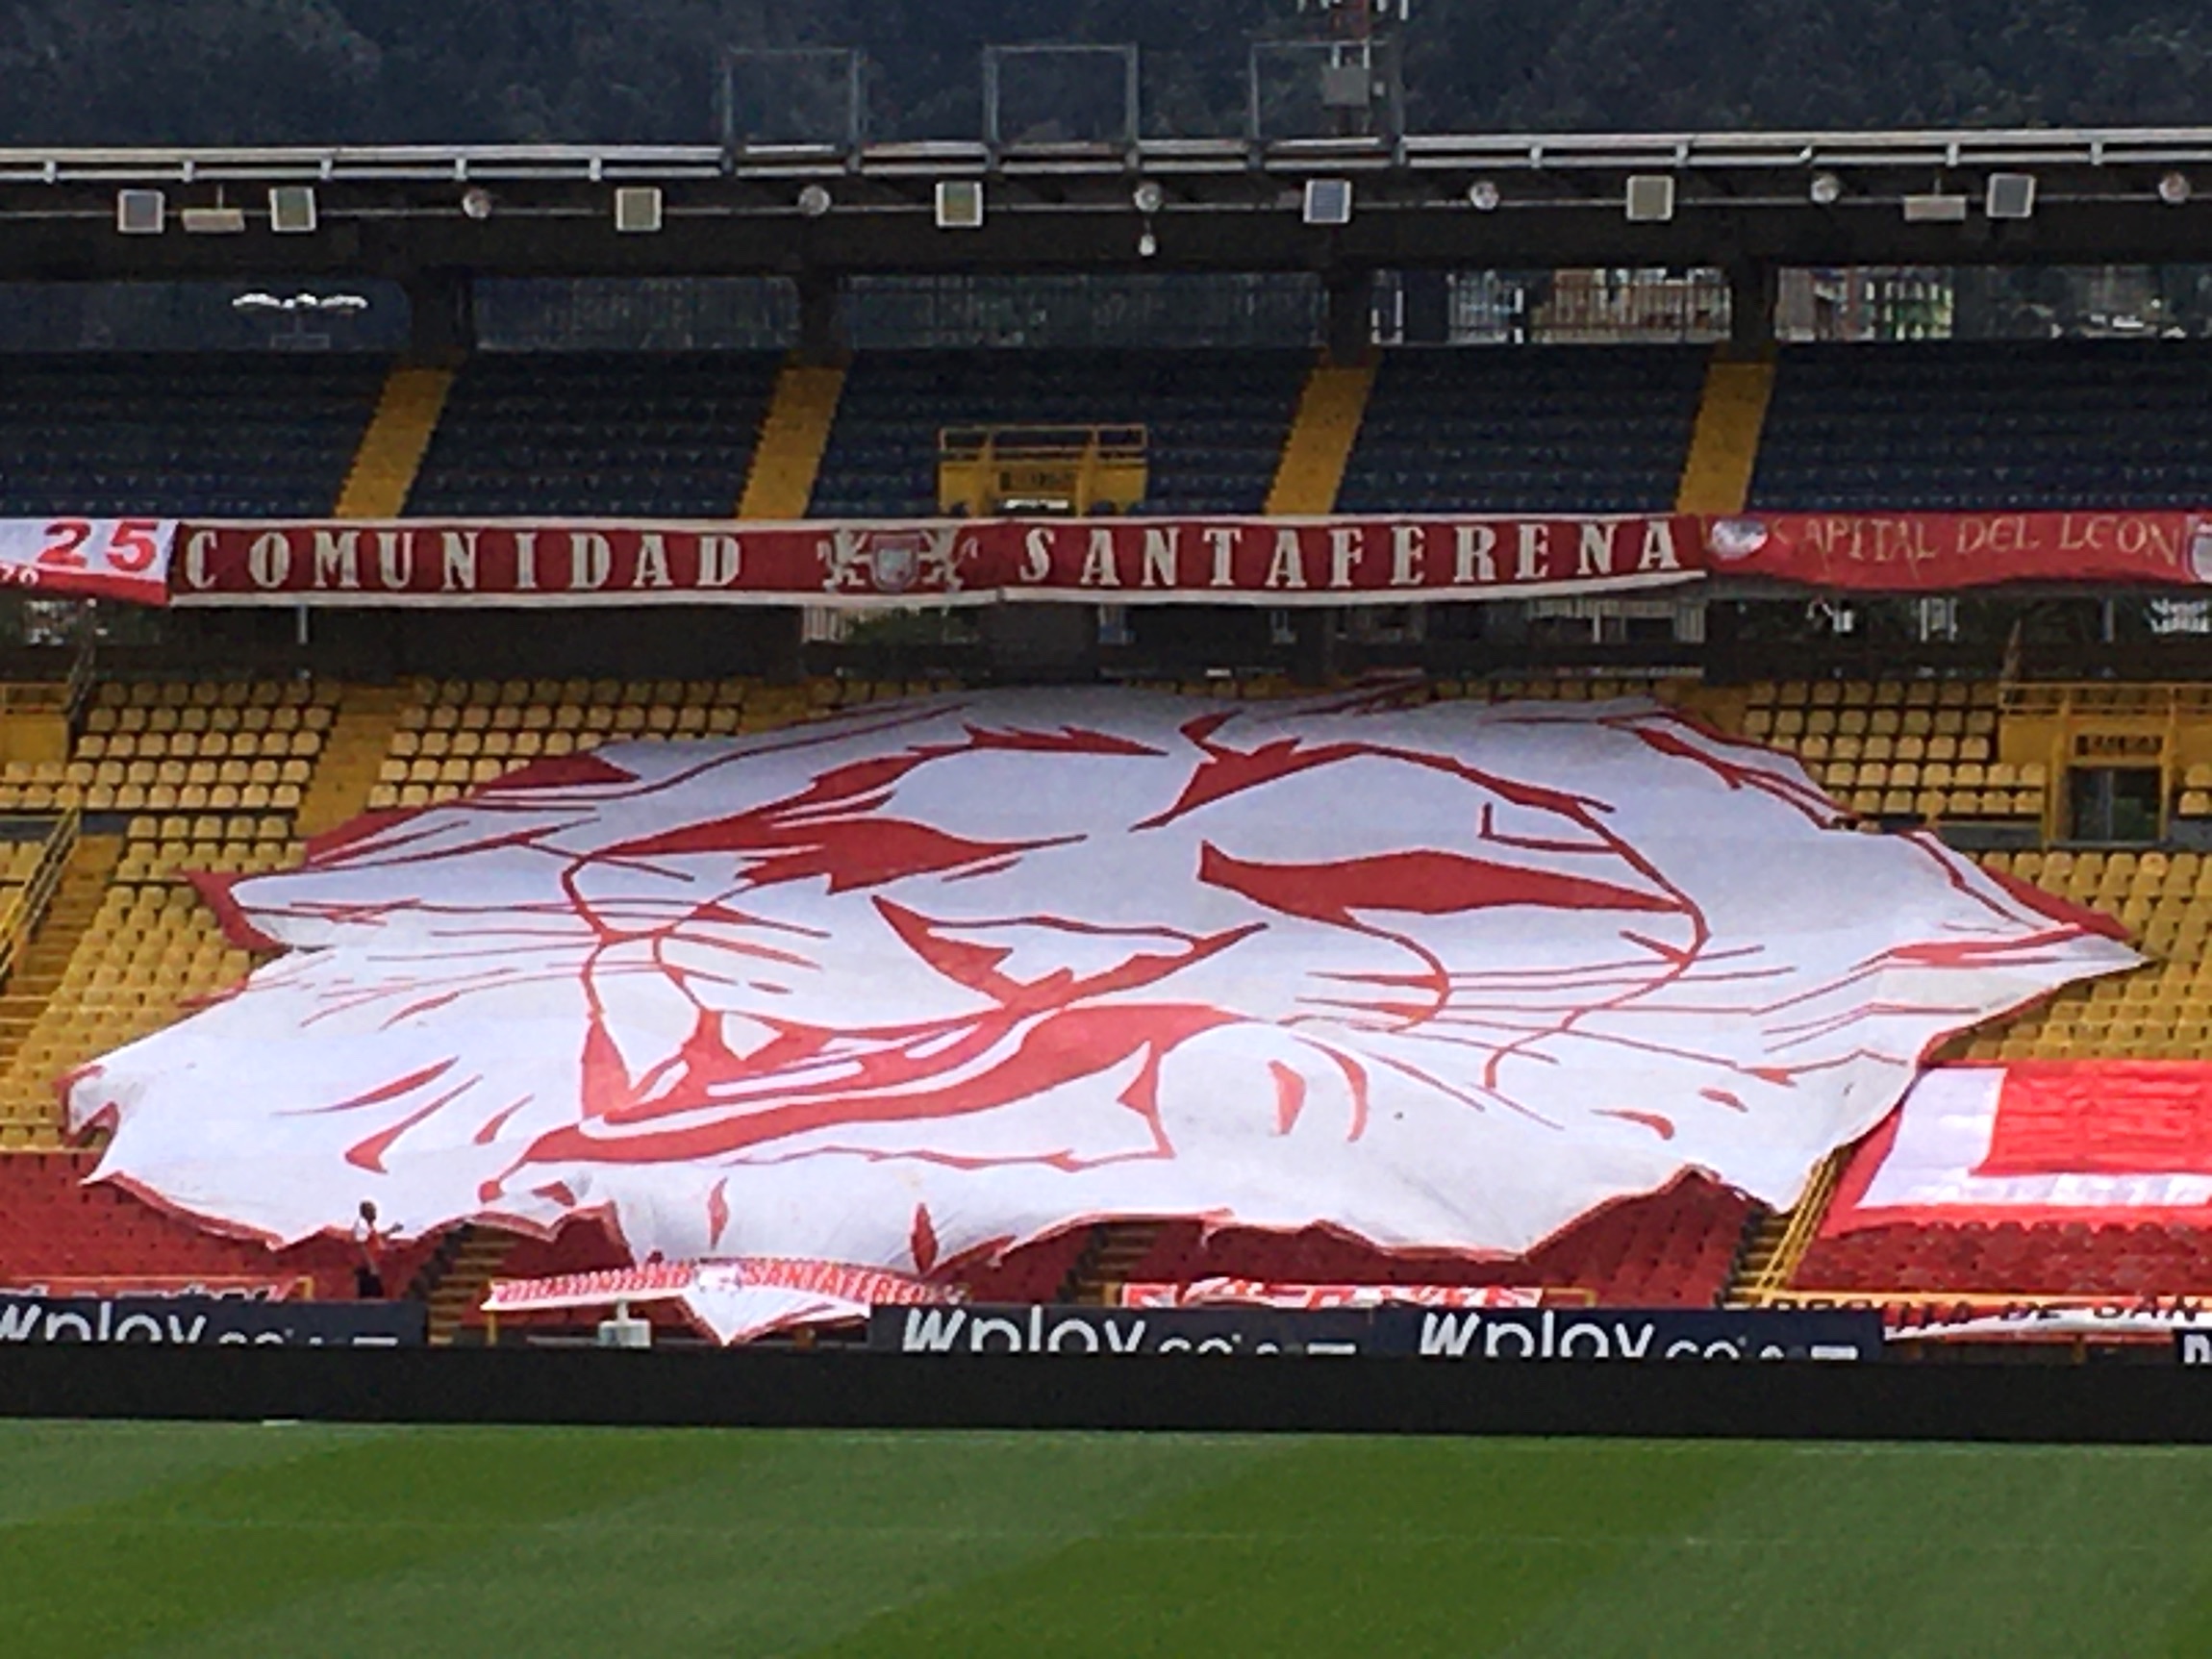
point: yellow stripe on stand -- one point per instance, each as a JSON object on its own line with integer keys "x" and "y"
{"x": 793, "y": 433}
{"x": 1724, "y": 444}
{"x": 1312, "y": 470}
{"x": 392, "y": 448}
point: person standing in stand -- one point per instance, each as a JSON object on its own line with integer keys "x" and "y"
{"x": 368, "y": 1272}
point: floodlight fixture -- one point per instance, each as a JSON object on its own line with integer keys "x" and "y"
{"x": 1938, "y": 208}
{"x": 216, "y": 221}
{"x": 296, "y": 304}
{"x": 292, "y": 210}
{"x": 1148, "y": 197}
{"x": 1484, "y": 197}
{"x": 141, "y": 212}
{"x": 1826, "y": 190}
{"x": 476, "y": 202}
{"x": 1650, "y": 198}
{"x": 960, "y": 204}
{"x": 2174, "y": 187}
{"x": 638, "y": 210}
{"x": 2011, "y": 196}
{"x": 815, "y": 201}
{"x": 1328, "y": 202}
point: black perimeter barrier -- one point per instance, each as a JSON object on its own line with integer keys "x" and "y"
{"x": 2097, "y": 1403}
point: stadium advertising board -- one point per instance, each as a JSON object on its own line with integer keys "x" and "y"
{"x": 1481, "y": 1336}
{"x": 1110, "y": 1331}
{"x": 201, "y": 1321}
{"x": 90, "y": 557}
{"x": 1935, "y": 552}
{"x": 1514, "y": 1336}
{"x": 1120, "y": 560}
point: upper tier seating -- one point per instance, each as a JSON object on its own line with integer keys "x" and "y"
{"x": 597, "y": 434}
{"x": 1989, "y": 425}
{"x": 1216, "y": 421}
{"x": 1494, "y": 429}
{"x": 249, "y": 435}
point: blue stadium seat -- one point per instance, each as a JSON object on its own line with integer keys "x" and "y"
{"x": 1526, "y": 429}
{"x": 639, "y": 434}
{"x": 1989, "y": 425}
{"x": 1216, "y": 421}
{"x": 236, "y": 434}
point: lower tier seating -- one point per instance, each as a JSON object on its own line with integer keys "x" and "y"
{"x": 2006, "y": 1257}
{"x": 1674, "y": 1249}
{"x": 54, "y": 1228}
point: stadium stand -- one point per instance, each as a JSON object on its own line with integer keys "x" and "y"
{"x": 1989, "y": 425}
{"x": 1675, "y": 1248}
{"x": 1924, "y": 749}
{"x": 54, "y": 1228}
{"x": 1570, "y": 429}
{"x": 587, "y": 433}
{"x": 2073, "y": 1258}
{"x": 241, "y": 435}
{"x": 1216, "y": 421}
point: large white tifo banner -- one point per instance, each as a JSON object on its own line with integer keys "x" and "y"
{"x": 929, "y": 981}
{"x": 97, "y": 558}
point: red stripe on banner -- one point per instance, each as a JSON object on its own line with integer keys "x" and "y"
{"x": 930, "y": 562}
{"x": 1933, "y": 552}
{"x": 2103, "y": 1117}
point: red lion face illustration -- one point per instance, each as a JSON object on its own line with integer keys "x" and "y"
{"x": 943, "y": 977}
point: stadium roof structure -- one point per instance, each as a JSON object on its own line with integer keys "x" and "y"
{"x": 1469, "y": 201}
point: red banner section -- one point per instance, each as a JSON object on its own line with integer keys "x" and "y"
{"x": 1937, "y": 552}
{"x": 88, "y": 558}
{"x": 1116, "y": 561}
{"x": 2104, "y": 1142}
{"x": 1102, "y": 561}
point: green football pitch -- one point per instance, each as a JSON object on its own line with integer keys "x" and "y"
{"x": 237, "y": 1539}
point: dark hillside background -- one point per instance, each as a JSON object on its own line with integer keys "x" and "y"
{"x": 274, "y": 71}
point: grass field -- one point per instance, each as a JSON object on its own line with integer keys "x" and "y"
{"x": 402, "y": 1542}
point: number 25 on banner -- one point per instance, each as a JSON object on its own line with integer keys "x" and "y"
{"x": 107, "y": 558}
{"x": 130, "y": 545}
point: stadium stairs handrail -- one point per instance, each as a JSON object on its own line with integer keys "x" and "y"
{"x": 22, "y": 918}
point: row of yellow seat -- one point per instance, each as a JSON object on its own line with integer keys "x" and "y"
{"x": 205, "y": 693}
{"x": 112, "y": 723}
{"x": 148, "y": 951}
{"x": 1914, "y": 693}
{"x": 305, "y": 743}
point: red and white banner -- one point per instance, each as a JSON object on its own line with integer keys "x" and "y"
{"x": 88, "y": 558}
{"x": 925, "y": 982}
{"x": 142, "y": 1286}
{"x": 2100, "y": 1140}
{"x": 1102, "y": 561}
{"x": 1273, "y": 561}
{"x": 732, "y": 1301}
{"x": 1938, "y": 552}
{"x": 1258, "y": 1294}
